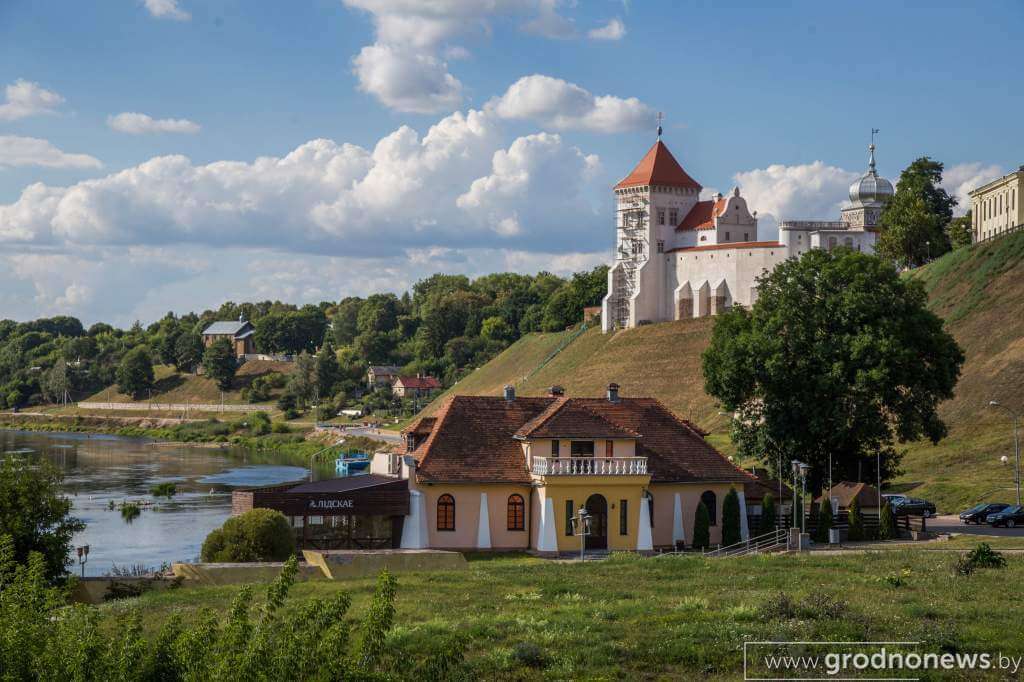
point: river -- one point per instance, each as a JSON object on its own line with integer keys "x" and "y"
{"x": 100, "y": 469}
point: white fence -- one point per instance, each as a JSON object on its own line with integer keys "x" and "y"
{"x": 590, "y": 466}
{"x": 172, "y": 407}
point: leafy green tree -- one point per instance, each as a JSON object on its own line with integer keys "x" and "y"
{"x": 135, "y": 373}
{"x": 328, "y": 371}
{"x": 257, "y": 535}
{"x": 36, "y": 515}
{"x": 855, "y": 521}
{"x": 886, "y": 523}
{"x": 825, "y": 521}
{"x": 768, "y": 514}
{"x": 378, "y": 313}
{"x": 168, "y": 346}
{"x": 959, "y": 231}
{"x": 188, "y": 352}
{"x": 220, "y": 363}
{"x": 497, "y": 329}
{"x": 839, "y": 356}
{"x": 701, "y": 527}
{"x": 914, "y": 221}
{"x": 56, "y": 381}
{"x": 731, "y": 518}
{"x": 344, "y": 324}
{"x": 302, "y": 381}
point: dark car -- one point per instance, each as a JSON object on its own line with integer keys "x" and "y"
{"x": 1011, "y": 517}
{"x": 979, "y": 512}
{"x": 912, "y": 506}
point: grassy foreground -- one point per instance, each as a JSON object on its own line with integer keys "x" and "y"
{"x": 670, "y": 617}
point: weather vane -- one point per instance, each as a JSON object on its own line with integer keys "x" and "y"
{"x": 874, "y": 131}
{"x": 660, "y": 116}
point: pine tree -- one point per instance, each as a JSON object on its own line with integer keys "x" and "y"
{"x": 731, "y": 518}
{"x": 768, "y": 520}
{"x": 855, "y": 529}
{"x": 886, "y": 523}
{"x": 702, "y": 528}
{"x": 824, "y": 520}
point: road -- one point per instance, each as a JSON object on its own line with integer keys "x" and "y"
{"x": 951, "y": 524}
{"x": 377, "y": 434}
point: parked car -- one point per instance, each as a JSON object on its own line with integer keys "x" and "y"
{"x": 912, "y": 506}
{"x": 980, "y": 512}
{"x": 1011, "y": 517}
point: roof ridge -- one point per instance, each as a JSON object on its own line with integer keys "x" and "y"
{"x": 586, "y": 406}
{"x": 546, "y": 414}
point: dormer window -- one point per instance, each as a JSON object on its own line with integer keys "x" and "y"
{"x": 410, "y": 442}
{"x": 583, "y": 448}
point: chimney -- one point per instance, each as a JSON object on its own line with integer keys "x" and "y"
{"x": 510, "y": 392}
{"x": 556, "y": 391}
{"x": 613, "y": 393}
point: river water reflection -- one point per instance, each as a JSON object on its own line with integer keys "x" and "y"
{"x": 99, "y": 469}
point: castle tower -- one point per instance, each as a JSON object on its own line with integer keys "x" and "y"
{"x": 650, "y": 202}
{"x": 868, "y": 196}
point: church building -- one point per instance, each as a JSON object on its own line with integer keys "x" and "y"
{"x": 679, "y": 256}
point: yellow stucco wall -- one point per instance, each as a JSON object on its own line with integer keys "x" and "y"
{"x": 614, "y": 489}
{"x": 467, "y": 515}
{"x": 664, "y": 506}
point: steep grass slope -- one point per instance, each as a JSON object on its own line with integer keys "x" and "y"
{"x": 978, "y": 291}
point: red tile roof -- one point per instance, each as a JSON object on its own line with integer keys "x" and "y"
{"x": 731, "y": 245}
{"x": 419, "y": 382}
{"x": 754, "y": 491}
{"x": 867, "y": 495}
{"x": 659, "y": 167}
{"x": 474, "y": 438}
{"x": 702, "y": 215}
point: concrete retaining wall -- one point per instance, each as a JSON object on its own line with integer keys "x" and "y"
{"x": 99, "y": 590}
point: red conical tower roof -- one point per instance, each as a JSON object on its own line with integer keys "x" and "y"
{"x": 659, "y": 167}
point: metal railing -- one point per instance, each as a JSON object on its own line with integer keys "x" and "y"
{"x": 762, "y": 543}
{"x": 997, "y": 234}
{"x": 590, "y": 466}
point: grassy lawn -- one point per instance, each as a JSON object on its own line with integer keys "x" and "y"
{"x": 670, "y": 617}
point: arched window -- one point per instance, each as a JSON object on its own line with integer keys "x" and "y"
{"x": 516, "y": 513}
{"x": 709, "y": 500}
{"x": 446, "y": 512}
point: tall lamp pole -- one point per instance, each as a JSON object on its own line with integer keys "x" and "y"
{"x": 1016, "y": 443}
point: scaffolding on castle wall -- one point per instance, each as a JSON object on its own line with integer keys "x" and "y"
{"x": 632, "y": 250}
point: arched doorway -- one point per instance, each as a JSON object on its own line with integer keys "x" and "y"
{"x": 597, "y": 507}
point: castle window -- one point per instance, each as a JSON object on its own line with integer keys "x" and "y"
{"x": 703, "y": 237}
{"x": 673, "y": 216}
{"x": 661, "y": 246}
{"x": 727, "y": 236}
{"x": 446, "y": 512}
{"x": 516, "y": 513}
{"x": 661, "y": 216}
{"x": 746, "y": 236}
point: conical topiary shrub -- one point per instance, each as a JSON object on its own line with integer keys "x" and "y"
{"x": 731, "y": 518}
{"x": 886, "y": 523}
{"x": 768, "y": 520}
{"x": 702, "y": 528}
{"x": 824, "y": 521}
{"x": 855, "y": 521}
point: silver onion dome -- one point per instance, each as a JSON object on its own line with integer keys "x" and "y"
{"x": 870, "y": 189}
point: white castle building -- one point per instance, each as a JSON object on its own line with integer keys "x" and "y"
{"x": 678, "y": 257}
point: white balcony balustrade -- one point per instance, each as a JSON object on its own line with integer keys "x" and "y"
{"x": 590, "y": 466}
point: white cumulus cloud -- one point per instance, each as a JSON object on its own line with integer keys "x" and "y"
{"x": 135, "y": 123}
{"x": 166, "y": 9}
{"x": 562, "y": 105}
{"x": 805, "y": 191}
{"x": 613, "y": 30}
{"x": 32, "y": 151}
{"x": 24, "y": 98}
{"x": 962, "y": 178}
{"x": 406, "y": 80}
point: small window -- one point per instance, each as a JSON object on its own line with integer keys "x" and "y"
{"x": 555, "y": 445}
{"x": 650, "y": 509}
{"x": 623, "y": 517}
{"x": 609, "y": 448}
{"x": 709, "y": 499}
{"x": 673, "y": 216}
{"x": 746, "y": 236}
{"x": 727, "y": 237}
{"x": 582, "y": 448}
{"x": 570, "y": 511}
{"x": 661, "y": 216}
{"x": 516, "y": 513}
{"x": 446, "y": 512}
{"x": 661, "y": 246}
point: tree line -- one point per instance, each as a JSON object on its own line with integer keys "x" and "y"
{"x": 444, "y": 327}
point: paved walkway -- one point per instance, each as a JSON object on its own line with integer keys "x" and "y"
{"x": 951, "y": 524}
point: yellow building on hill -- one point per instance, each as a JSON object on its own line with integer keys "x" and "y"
{"x": 996, "y": 206}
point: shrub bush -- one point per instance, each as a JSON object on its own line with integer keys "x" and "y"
{"x": 256, "y": 535}
{"x": 886, "y": 523}
{"x": 824, "y": 521}
{"x": 768, "y": 513}
{"x": 529, "y": 655}
{"x": 259, "y": 424}
{"x": 280, "y": 427}
{"x": 702, "y": 528}
{"x": 165, "y": 489}
{"x": 855, "y": 521}
{"x": 982, "y": 556}
{"x": 731, "y": 518}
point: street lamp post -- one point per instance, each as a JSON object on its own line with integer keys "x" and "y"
{"x": 803, "y": 494}
{"x": 1016, "y": 444}
{"x": 83, "y": 557}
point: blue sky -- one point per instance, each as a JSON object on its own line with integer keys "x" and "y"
{"x": 540, "y": 105}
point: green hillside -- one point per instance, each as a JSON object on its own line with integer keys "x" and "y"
{"x": 979, "y": 291}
